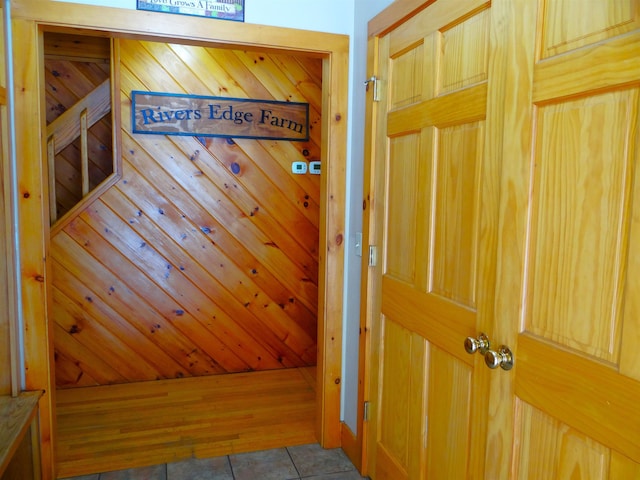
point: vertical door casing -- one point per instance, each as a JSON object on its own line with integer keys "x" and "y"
{"x": 29, "y": 18}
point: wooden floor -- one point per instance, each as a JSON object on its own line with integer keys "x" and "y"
{"x": 123, "y": 426}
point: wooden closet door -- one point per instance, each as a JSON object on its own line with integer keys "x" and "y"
{"x": 433, "y": 205}
{"x": 569, "y": 277}
{"x": 505, "y": 199}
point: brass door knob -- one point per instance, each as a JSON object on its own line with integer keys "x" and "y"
{"x": 502, "y": 358}
{"x": 480, "y": 344}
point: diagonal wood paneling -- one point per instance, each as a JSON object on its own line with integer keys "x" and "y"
{"x": 184, "y": 268}
{"x": 74, "y": 66}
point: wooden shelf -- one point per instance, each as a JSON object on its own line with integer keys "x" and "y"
{"x": 16, "y": 415}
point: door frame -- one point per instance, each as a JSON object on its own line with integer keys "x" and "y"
{"x": 29, "y": 19}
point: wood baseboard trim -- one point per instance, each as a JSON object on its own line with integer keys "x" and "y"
{"x": 351, "y": 446}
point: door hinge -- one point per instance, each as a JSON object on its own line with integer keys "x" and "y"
{"x": 365, "y": 415}
{"x": 373, "y": 255}
{"x": 376, "y": 94}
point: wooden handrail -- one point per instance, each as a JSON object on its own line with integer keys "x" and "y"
{"x": 84, "y": 151}
{"x": 74, "y": 123}
{"x": 51, "y": 162}
{"x": 66, "y": 128}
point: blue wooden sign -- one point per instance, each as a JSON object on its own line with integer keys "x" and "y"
{"x": 206, "y": 116}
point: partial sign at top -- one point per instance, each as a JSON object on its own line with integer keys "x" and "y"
{"x": 199, "y": 115}
{"x": 222, "y": 9}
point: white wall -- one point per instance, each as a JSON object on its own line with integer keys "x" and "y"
{"x": 348, "y": 17}
{"x": 364, "y": 11}
{"x": 332, "y": 16}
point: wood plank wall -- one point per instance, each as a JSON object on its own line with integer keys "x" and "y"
{"x": 183, "y": 267}
{"x": 74, "y": 66}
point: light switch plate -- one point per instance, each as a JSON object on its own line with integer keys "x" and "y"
{"x": 358, "y": 244}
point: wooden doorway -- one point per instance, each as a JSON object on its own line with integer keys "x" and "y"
{"x": 199, "y": 259}
{"x": 513, "y": 213}
{"x": 30, "y": 19}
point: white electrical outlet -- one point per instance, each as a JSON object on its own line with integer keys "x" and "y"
{"x": 299, "y": 168}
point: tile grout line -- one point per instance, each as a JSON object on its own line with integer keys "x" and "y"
{"x": 293, "y": 463}
{"x": 233, "y": 475}
{"x": 231, "y": 470}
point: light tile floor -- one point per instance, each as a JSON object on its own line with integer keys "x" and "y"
{"x": 301, "y": 462}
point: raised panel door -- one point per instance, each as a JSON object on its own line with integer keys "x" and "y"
{"x": 568, "y": 284}
{"x": 428, "y": 396}
{"x": 506, "y": 197}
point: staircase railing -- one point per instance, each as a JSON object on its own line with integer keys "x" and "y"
{"x": 64, "y": 130}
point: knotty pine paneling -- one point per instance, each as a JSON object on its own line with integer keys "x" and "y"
{"x": 74, "y": 66}
{"x": 183, "y": 268}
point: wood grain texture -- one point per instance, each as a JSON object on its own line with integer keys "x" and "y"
{"x": 332, "y": 49}
{"x": 390, "y": 16}
{"x": 466, "y": 40}
{"x": 457, "y": 214}
{"x": 65, "y": 46}
{"x": 75, "y": 82}
{"x": 558, "y": 247}
{"x": 16, "y": 415}
{"x": 23, "y": 465}
{"x": 138, "y": 424}
{"x": 589, "y": 69}
{"x": 206, "y": 250}
{"x": 408, "y": 65}
{"x": 605, "y": 20}
{"x": 577, "y": 112}
{"x": 399, "y": 16}
{"x": 38, "y": 335}
{"x": 331, "y": 247}
{"x": 622, "y": 467}
{"x": 429, "y": 168}
{"x": 402, "y": 208}
{"x": 450, "y": 390}
{"x": 443, "y": 17}
{"x": 97, "y": 103}
{"x": 578, "y": 391}
{"x": 5, "y": 328}
{"x": 571, "y": 454}
{"x": 574, "y": 199}
{"x": 629, "y": 361}
{"x": 468, "y": 104}
{"x": 511, "y": 68}
{"x": 370, "y": 284}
